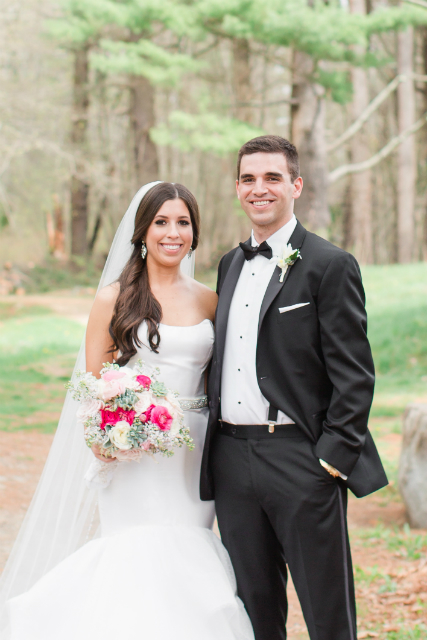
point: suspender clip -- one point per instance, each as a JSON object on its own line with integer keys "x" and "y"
{"x": 272, "y": 418}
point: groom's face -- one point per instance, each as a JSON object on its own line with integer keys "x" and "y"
{"x": 265, "y": 190}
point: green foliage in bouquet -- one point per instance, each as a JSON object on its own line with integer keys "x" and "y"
{"x": 159, "y": 389}
{"x": 126, "y": 400}
{"x": 137, "y": 435}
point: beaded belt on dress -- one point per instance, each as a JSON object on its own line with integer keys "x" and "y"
{"x": 187, "y": 404}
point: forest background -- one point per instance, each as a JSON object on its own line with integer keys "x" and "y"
{"x": 101, "y": 96}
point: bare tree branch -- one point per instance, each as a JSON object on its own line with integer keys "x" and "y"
{"x": 364, "y": 116}
{"x": 260, "y": 105}
{"x": 211, "y": 46}
{"x": 372, "y": 107}
{"x": 420, "y": 3}
{"x": 346, "y": 169}
{"x": 77, "y": 165}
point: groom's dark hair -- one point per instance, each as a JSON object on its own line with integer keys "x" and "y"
{"x": 271, "y": 144}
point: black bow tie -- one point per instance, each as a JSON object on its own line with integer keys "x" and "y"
{"x": 263, "y": 249}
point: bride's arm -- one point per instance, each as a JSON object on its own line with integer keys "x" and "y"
{"x": 98, "y": 339}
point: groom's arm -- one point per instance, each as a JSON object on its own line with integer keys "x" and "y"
{"x": 348, "y": 361}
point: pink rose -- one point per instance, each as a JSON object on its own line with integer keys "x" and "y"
{"x": 148, "y": 412}
{"x": 112, "y": 417}
{"x": 161, "y": 417}
{"x": 146, "y": 445}
{"x": 144, "y": 381}
{"x": 89, "y": 408}
{"x": 113, "y": 388}
{"x": 113, "y": 374}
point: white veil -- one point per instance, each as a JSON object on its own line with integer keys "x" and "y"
{"x": 63, "y": 512}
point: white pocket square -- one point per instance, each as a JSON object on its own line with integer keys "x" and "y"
{"x": 293, "y": 306}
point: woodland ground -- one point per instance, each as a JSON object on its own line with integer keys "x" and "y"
{"x": 40, "y": 335}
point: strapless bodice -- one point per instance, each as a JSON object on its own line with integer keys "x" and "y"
{"x": 159, "y": 490}
{"x": 184, "y": 354}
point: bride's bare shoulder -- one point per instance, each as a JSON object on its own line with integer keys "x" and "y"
{"x": 207, "y": 298}
{"x": 106, "y": 299}
{"x": 109, "y": 293}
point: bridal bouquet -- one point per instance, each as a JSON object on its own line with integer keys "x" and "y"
{"x": 128, "y": 413}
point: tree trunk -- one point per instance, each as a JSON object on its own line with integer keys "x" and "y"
{"x": 59, "y": 235}
{"x": 142, "y": 119}
{"x": 308, "y": 135}
{"x": 79, "y": 122}
{"x": 406, "y": 177}
{"x": 360, "y": 240}
{"x": 423, "y": 152}
{"x": 242, "y": 79}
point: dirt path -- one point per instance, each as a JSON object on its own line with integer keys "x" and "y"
{"x": 22, "y": 457}
{"x": 74, "y": 307}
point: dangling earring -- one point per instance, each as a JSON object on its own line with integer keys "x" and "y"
{"x": 143, "y": 250}
{"x": 190, "y": 253}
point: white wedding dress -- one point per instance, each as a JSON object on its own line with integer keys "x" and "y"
{"x": 157, "y": 571}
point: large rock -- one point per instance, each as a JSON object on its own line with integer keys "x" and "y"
{"x": 413, "y": 464}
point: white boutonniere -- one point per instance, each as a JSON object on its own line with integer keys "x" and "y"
{"x": 287, "y": 259}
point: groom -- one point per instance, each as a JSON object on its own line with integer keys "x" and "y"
{"x": 290, "y": 391}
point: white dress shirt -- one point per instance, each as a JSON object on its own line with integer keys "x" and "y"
{"x": 241, "y": 399}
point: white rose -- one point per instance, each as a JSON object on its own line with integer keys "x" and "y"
{"x": 130, "y": 379}
{"x": 100, "y": 386}
{"x": 131, "y": 383}
{"x": 119, "y": 435}
{"x": 128, "y": 371}
{"x": 172, "y": 404}
{"x": 144, "y": 400}
{"x": 89, "y": 409}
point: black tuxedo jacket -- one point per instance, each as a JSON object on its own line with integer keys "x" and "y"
{"x": 314, "y": 362}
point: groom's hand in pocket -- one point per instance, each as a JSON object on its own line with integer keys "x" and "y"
{"x": 332, "y": 471}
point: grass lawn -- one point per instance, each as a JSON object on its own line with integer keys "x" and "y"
{"x": 396, "y": 300}
{"x": 37, "y": 354}
{"x": 397, "y": 310}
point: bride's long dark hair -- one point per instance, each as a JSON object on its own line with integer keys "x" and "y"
{"x": 136, "y": 302}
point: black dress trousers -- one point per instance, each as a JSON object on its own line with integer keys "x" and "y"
{"x": 277, "y": 506}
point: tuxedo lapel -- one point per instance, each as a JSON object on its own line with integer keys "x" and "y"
{"x": 225, "y": 297}
{"x": 274, "y": 286}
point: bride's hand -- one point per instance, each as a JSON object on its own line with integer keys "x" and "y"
{"x": 97, "y": 453}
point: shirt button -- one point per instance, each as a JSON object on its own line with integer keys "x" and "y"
{"x": 238, "y": 369}
{"x": 239, "y": 402}
{"x": 241, "y": 337}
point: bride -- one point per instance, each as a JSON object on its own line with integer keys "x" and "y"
{"x": 153, "y": 569}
